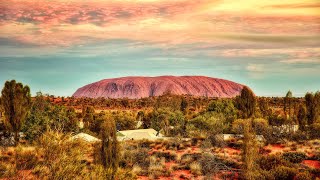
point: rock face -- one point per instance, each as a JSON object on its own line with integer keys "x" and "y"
{"x": 138, "y": 87}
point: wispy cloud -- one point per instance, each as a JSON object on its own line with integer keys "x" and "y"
{"x": 255, "y": 68}
{"x": 301, "y": 61}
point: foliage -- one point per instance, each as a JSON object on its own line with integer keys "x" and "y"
{"x": 284, "y": 173}
{"x": 302, "y": 117}
{"x": 163, "y": 118}
{"x": 109, "y": 151}
{"x": 7, "y": 170}
{"x": 124, "y": 120}
{"x": 16, "y": 101}
{"x": 157, "y": 168}
{"x": 270, "y": 162}
{"x": 206, "y": 125}
{"x": 294, "y": 157}
{"x": 44, "y": 116}
{"x": 25, "y": 159}
{"x": 195, "y": 168}
{"x": 264, "y": 108}
{"x": 303, "y": 176}
{"x": 62, "y": 157}
{"x": 260, "y": 126}
{"x": 313, "y": 107}
{"x": 314, "y": 130}
{"x": 250, "y": 151}
{"x": 88, "y": 115}
{"x": 287, "y": 104}
{"x": 225, "y": 107}
{"x": 246, "y": 102}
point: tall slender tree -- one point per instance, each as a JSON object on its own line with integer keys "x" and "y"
{"x": 287, "y": 104}
{"x": 246, "y": 102}
{"x": 311, "y": 114}
{"x": 109, "y": 147}
{"x": 302, "y": 117}
{"x": 316, "y": 102}
{"x": 16, "y": 101}
{"x": 250, "y": 152}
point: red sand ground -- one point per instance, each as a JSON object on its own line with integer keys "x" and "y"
{"x": 312, "y": 163}
{"x": 230, "y": 150}
{"x": 275, "y": 148}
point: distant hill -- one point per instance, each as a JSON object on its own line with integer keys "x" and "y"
{"x": 138, "y": 87}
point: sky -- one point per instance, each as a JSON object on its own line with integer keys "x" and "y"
{"x": 57, "y": 46}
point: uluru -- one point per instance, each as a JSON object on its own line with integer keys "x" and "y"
{"x": 134, "y": 87}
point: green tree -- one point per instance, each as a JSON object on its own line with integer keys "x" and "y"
{"x": 38, "y": 120}
{"x": 316, "y": 102}
{"x": 313, "y": 107}
{"x": 183, "y": 105}
{"x": 246, "y": 102}
{"x": 207, "y": 125}
{"x": 16, "y": 101}
{"x": 109, "y": 147}
{"x": 264, "y": 107}
{"x": 287, "y": 105}
{"x": 44, "y": 116}
{"x": 302, "y": 117}
{"x": 88, "y": 115}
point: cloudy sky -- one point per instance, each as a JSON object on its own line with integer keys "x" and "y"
{"x": 56, "y": 46}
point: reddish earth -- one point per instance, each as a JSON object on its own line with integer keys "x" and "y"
{"x": 138, "y": 87}
{"x": 181, "y": 173}
{"x": 312, "y": 163}
{"x": 275, "y": 148}
{"x": 230, "y": 150}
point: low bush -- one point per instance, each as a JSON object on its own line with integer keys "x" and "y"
{"x": 284, "y": 173}
{"x": 157, "y": 168}
{"x": 304, "y": 176}
{"x": 271, "y": 161}
{"x": 7, "y": 170}
{"x": 195, "y": 168}
{"x": 210, "y": 164}
{"x": 144, "y": 143}
{"x": 294, "y": 157}
{"x": 137, "y": 156}
{"x": 125, "y": 174}
{"x": 26, "y": 159}
{"x": 168, "y": 155}
{"x": 63, "y": 158}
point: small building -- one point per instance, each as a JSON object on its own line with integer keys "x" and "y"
{"x": 139, "y": 134}
{"x": 85, "y": 137}
{"x": 227, "y": 137}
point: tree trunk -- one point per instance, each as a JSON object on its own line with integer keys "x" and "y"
{"x": 16, "y": 138}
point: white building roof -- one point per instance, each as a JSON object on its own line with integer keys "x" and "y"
{"x": 138, "y": 134}
{"x": 85, "y": 137}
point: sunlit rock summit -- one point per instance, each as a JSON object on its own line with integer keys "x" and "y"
{"x": 139, "y": 87}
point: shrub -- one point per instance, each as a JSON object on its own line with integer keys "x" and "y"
{"x": 136, "y": 169}
{"x": 303, "y": 176}
{"x": 7, "y": 170}
{"x": 209, "y": 164}
{"x": 63, "y": 157}
{"x": 271, "y": 161}
{"x": 26, "y": 159}
{"x": 168, "y": 155}
{"x": 299, "y": 136}
{"x": 144, "y": 143}
{"x": 265, "y": 175}
{"x": 125, "y": 174}
{"x": 195, "y": 168}
{"x": 284, "y": 173}
{"x": 137, "y": 156}
{"x": 294, "y": 157}
{"x": 156, "y": 168}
